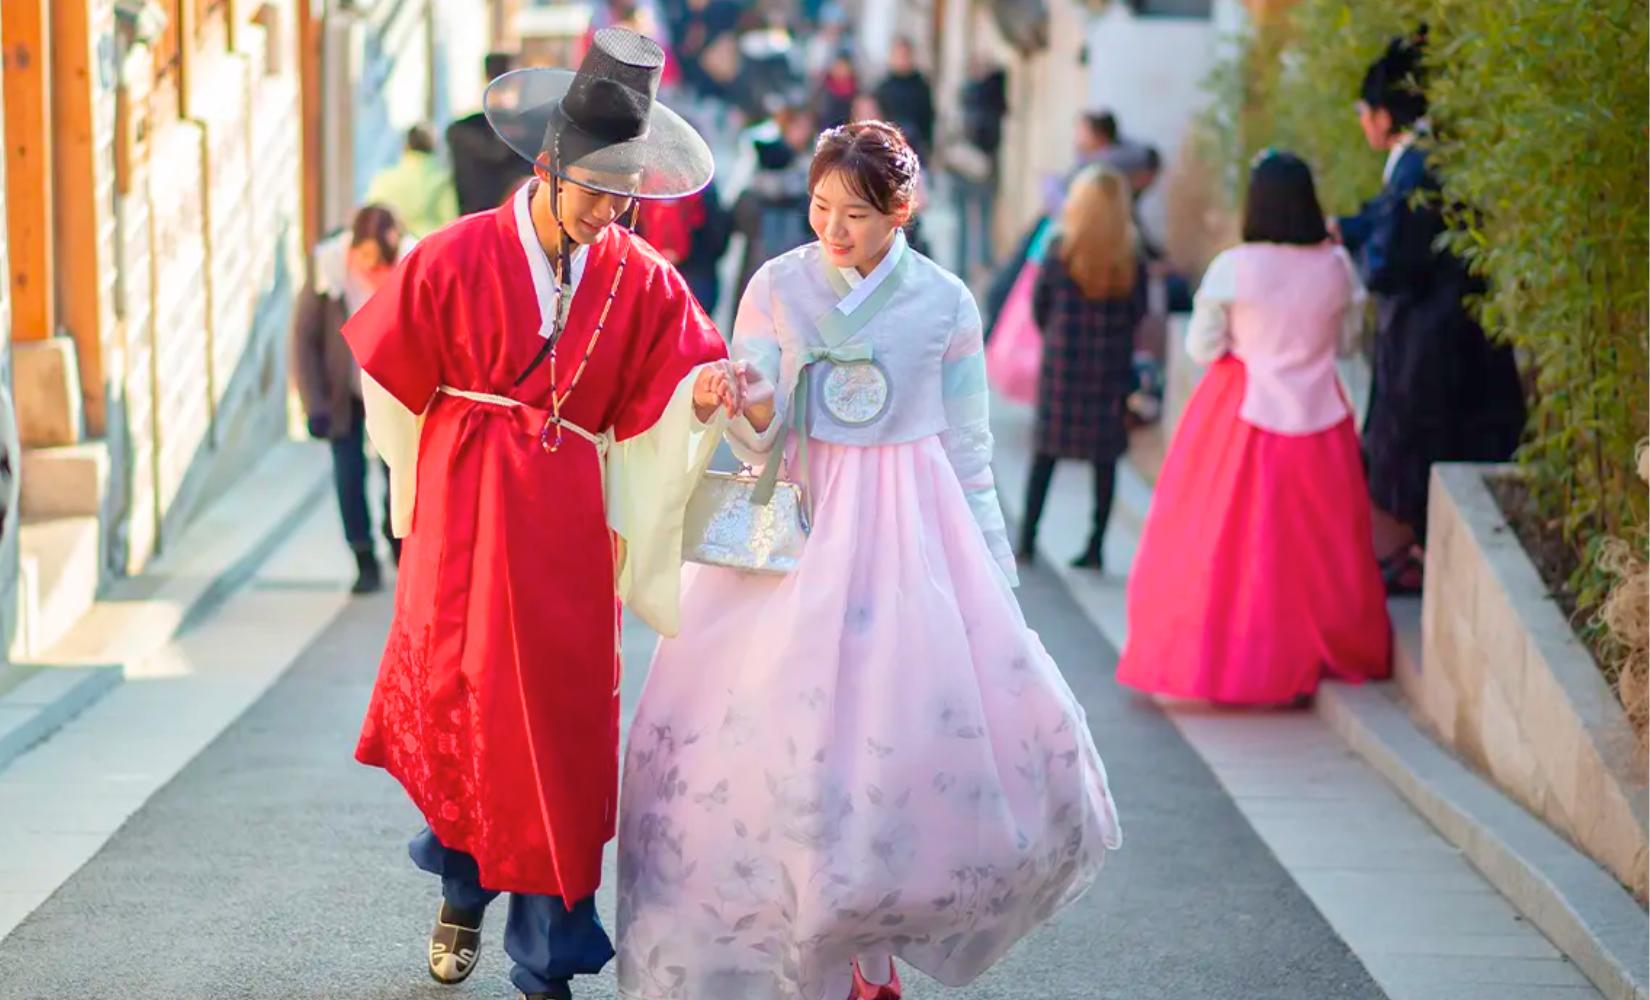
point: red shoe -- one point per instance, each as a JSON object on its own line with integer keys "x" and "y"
{"x": 872, "y": 991}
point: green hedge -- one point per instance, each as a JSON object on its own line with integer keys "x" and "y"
{"x": 1541, "y": 115}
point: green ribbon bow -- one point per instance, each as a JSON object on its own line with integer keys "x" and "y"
{"x": 769, "y": 480}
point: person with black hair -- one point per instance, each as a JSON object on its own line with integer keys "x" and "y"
{"x": 906, "y": 99}
{"x": 1254, "y": 577}
{"x": 485, "y": 171}
{"x": 547, "y": 394}
{"x": 974, "y": 163}
{"x": 349, "y": 266}
{"x": 1442, "y": 391}
{"x": 772, "y": 212}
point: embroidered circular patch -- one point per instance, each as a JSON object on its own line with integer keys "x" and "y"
{"x": 856, "y": 393}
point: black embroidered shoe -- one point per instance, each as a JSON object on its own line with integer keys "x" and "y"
{"x": 455, "y": 944}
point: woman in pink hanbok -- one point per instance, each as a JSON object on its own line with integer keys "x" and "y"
{"x": 871, "y": 757}
{"x": 1255, "y": 576}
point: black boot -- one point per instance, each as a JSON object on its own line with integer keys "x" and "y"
{"x": 1105, "y": 487}
{"x": 1026, "y": 552}
{"x": 1042, "y": 473}
{"x": 1091, "y": 557}
{"x": 370, "y": 579}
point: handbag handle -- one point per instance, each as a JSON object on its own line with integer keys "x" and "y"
{"x": 768, "y": 481}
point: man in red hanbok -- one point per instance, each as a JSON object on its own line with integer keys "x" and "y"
{"x": 547, "y": 393}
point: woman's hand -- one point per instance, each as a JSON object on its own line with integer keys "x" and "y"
{"x": 718, "y": 384}
{"x": 757, "y": 393}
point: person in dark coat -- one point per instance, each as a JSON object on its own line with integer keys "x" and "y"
{"x": 1089, "y": 298}
{"x": 485, "y": 171}
{"x": 772, "y": 212}
{"x": 907, "y": 100}
{"x": 699, "y": 24}
{"x": 837, "y": 90}
{"x": 975, "y": 175}
{"x": 348, "y": 267}
{"x": 1442, "y": 391}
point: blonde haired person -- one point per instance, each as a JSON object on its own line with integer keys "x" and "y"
{"x": 1088, "y": 300}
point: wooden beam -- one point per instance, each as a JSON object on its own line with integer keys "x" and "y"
{"x": 27, "y": 85}
{"x": 79, "y": 206}
{"x": 186, "y": 56}
{"x": 311, "y": 93}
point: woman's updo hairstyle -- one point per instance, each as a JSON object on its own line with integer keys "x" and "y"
{"x": 875, "y": 161}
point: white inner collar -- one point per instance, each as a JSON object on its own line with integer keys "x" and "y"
{"x": 538, "y": 263}
{"x": 862, "y": 287}
{"x": 1403, "y": 145}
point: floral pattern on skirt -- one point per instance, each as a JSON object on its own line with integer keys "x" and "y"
{"x": 873, "y": 756}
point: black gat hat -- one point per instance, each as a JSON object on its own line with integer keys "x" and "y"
{"x": 602, "y": 127}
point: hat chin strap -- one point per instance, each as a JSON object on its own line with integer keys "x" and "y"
{"x": 564, "y": 275}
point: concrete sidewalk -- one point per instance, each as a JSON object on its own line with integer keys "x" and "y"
{"x": 1425, "y": 923}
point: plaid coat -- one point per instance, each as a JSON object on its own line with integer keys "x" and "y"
{"x": 1087, "y": 371}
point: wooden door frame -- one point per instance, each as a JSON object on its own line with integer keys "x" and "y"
{"x": 27, "y": 82}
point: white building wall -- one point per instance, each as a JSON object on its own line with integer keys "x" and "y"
{"x": 1150, "y": 72}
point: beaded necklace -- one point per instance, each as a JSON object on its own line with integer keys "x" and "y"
{"x": 557, "y": 398}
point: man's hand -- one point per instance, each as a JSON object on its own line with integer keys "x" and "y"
{"x": 757, "y": 393}
{"x": 320, "y": 427}
{"x": 717, "y": 385}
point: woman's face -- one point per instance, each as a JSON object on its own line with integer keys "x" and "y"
{"x": 1377, "y": 126}
{"x": 366, "y": 262}
{"x": 851, "y": 231}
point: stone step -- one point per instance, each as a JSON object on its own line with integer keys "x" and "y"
{"x": 46, "y": 384}
{"x": 66, "y": 481}
{"x": 58, "y": 575}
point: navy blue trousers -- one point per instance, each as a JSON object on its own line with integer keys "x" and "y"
{"x": 548, "y": 941}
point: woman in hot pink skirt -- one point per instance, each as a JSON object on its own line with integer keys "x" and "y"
{"x": 1255, "y": 576}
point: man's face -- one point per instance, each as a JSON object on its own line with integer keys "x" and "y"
{"x": 1089, "y": 141}
{"x": 584, "y": 212}
{"x": 1377, "y": 126}
{"x": 901, "y": 59}
{"x": 800, "y": 132}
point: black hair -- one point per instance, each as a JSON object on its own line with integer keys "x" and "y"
{"x": 496, "y": 64}
{"x": 419, "y": 139}
{"x": 1396, "y": 82}
{"x": 1282, "y": 206}
{"x": 1103, "y": 124}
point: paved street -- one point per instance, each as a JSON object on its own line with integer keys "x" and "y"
{"x": 272, "y": 867}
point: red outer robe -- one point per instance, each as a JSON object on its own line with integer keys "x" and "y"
{"x": 497, "y": 705}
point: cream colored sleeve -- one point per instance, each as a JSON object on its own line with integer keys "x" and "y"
{"x": 1208, "y": 334}
{"x": 394, "y": 431}
{"x": 650, "y": 478}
